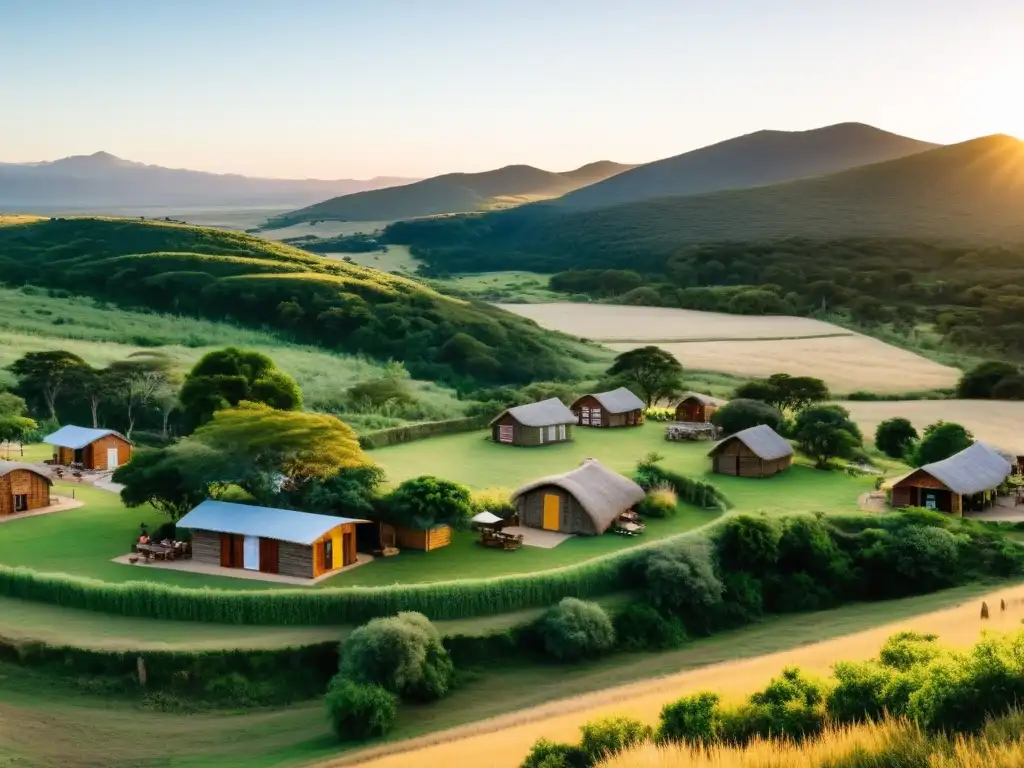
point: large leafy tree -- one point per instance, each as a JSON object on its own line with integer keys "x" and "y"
{"x": 173, "y": 480}
{"x": 651, "y": 370}
{"x": 785, "y": 392}
{"x": 980, "y": 381}
{"x": 895, "y": 436}
{"x": 137, "y": 381}
{"x": 941, "y": 440}
{"x": 425, "y": 501}
{"x": 15, "y": 424}
{"x": 47, "y": 374}
{"x": 826, "y": 432}
{"x": 742, "y": 413}
{"x": 226, "y": 377}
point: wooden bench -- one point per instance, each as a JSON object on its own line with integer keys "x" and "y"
{"x": 499, "y": 540}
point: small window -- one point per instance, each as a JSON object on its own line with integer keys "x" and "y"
{"x": 20, "y": 502}
{"x": 561, "y": 431}
{"x": 552, "y": 434}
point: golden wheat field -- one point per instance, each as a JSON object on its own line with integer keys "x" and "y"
{"x": 750, "y": 346}
{"x": 996, "y": 422}
{"x": 503, "y": 742}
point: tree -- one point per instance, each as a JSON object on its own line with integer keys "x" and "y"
{"x": 137, "y": 380}
{"x": 402, "y": 654}
{"x": 1009, "y": 388}
{"x": 15, "y": 424}
{"x": 351, "y": 492}
{"x": 574, "y": 630}
{"x": 894, "y": 437}
{"x": 46, "y": 373}
{"x": 96, "y": 386}
{"x": 941, "y": 440}
{"x": 979, "y": 382}
{"x": 741, "y": 414}
{"x": 655, "y": 372}
{"x": 226, "y": 377}
{"x": 425, "y": 501}
{"x": 758, "y": 389}
{"x": 825, "y": 432}
{"x": 357, "y": 712}
{"x": 785, "y": 392}
{"x": 169, "y": 479}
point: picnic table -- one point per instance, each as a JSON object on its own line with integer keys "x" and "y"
{"x": 161, "y": 551}
{"x": 499, "y": 540}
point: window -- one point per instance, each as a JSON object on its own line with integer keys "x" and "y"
{"x": 561, "y": 431}
{"x": 20, "y": 502}
{"x": 505, "y": 434}
{"x": 552, "y": 434}
{"x": 586, "y": 415}
{"x": 595, "y": 417}
{"x": 328, "y": 554}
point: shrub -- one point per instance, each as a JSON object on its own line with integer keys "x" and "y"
{"x": 742, "y": 413}
{"x": 825, "y": 432}
{"x": 859, "y": 691}
{"x": 358, "y": 712}
{"x": 574, "y": 630}
{"x": 682, "y": 581}
{"x": 550, "y": 754}
{"x": 980, "y": 381}
{"x": 749, "y": 543}
{"x": 660, "y": 502}
{"x": 607, "y": 737}
{"x": 402, "y": 653}
{"x": 894, "y": 437}
{"x": 941, "y": 440}
{"x": 639, "y": 627}
{"x": 651, "y": 475}
{"x": 695, "y": 719}
{"x": 905, "y": 650}
{"x": 425, "y": 501}
{"x": 495, "y": 500}
{"x": 1009, "y": 388}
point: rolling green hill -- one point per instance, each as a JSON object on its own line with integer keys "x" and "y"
{"x": 234, "y": 277}
{"x": 453, "y": 193}
{"x": 756, "y": 159}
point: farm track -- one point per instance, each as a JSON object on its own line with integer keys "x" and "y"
{"x": 693, "y": 340}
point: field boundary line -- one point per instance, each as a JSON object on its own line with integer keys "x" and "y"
{"x": 691, "y": 340}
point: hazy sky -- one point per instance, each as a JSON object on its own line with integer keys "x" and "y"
{"x": 357, "y": 88}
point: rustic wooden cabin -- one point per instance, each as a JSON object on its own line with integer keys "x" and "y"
{"x": 548, "y": 421}
{"x": 754, "y": 452}
{"x": 92, "y": 448}
{"x": 617, "y": 408}
{"x": 424, "y": 540}
{"x": 697, "y": 408}
{"x": 23, "y": 488}
{"x": 270, "y": 540}
{"x": 965, "y": 482}
{"x": 587, "y": 500}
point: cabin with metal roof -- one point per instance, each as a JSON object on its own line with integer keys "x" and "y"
{"x": 270, "y": 540}
{"x": 587, "y": 500}
{"x": 96, "y": 449}
{"x": 548, "y": 421}
{"x": 753, "y": 452}
{"x": 23, "y": 488}
{"x": 696, "y": 408}
{"x": 966, "y": 481}
{"x": 617, "y": 408}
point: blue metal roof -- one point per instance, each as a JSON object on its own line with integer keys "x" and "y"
{"x": 266, "y": 522}
{"x": 79, "y": 437}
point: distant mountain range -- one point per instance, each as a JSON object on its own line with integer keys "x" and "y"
{"x": 756, "y": 159}
{"x": 454, "y": 193}
{"x": 101, "y": 180}
{"x": 971, "y": 192}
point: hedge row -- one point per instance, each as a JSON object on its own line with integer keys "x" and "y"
{"x": 406, "y": 434}
{"x": 350, "y": 605}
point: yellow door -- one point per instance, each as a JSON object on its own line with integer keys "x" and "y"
{"x": 551, "y": 512}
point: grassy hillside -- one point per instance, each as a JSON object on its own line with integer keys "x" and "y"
{"x": 453, "y": 193}
{"x": 234, "y": 277}
{"x": 764, "y": 157}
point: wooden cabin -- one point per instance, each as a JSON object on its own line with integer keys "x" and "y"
{"x": 23, "y": 488}
{"x": 618, "y": 408}
{"x": 587, "y": 500}
{"x": 697, "y": 408}
{"x": 965, "y": 482}
{"x": 423, "y": 540}
{"x": 754, "y": 452}
{"x": 269, "y": 540}
{"x": 96, "y": 449}
{"x": 548, "y": 421}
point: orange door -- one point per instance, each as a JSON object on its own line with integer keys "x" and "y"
{"x": 552, "y": 512}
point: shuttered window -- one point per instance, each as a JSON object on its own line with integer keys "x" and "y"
{"x": 505, "y": 434}
{"x": 552, "y": 434}
{"x": 586, "y": 414}
{"x": 561, "y": 431}
{"x": 595, "y": 417}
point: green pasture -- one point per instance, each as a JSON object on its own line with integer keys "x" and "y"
{"x": 508, "y": 286}
{"x": 396, "y": 259}
{"x": 47, "y": 722}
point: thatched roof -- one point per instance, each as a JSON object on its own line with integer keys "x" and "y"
{"x": 762, "y": 440}
{"x": 543, "y": 414}
{"x": 603, "y": 494}
{"x": 619, "y": 400}
{"x": 973, "y": 470}
{"x": 6, "y": 467}
{"x": 702, "y": 399}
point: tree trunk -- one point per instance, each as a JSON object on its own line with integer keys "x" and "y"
{"x": 163, "y": 428}
{"x": 94, "y": 407}
{"x": 131, "y": 420}
{"x": 50, "y": 396}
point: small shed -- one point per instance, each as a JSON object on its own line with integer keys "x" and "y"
{"x": 23, "y": 488}
{"x": 966, "y": 481}
{"x": 92, "y": 448}
{"x": 697, "y": 408}
{"x": 585, "y": 501}
{"x": 548, "y": 421}
{"x": 753, "y": 452}
{"x": 270, "y": 540}
{"x": 425, "y": 540}
{"x": 617, "y": 408}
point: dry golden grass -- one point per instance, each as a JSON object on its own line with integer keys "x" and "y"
{"x": 503, "y": 742}
{"x": 996, "y": 422}
{"x": 7, "y": 219}
{"x": 664, "y": 494}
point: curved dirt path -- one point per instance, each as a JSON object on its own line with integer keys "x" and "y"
{"x": 503, "y": 742}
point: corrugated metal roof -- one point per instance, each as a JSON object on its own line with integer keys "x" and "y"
{"x": 764, "y": 441}
{"x": 79, "y": 437}
{"x": 973, "y": 470}
{"x": 702, "y": 399}
{"x": 6, "y": 467}
{"x": 543, "y": 414}
{"x": 265, "y": 522}
{"x": 602, "y": 493}
{"x": 619, "y": 400}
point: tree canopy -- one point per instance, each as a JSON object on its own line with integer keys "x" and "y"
{"x": 742, "y": 413}
{"x": 170, "y": 479}
{"x": 825, "y": 432}
{"x": 895, "y": 437}
{"x": 785, "y": 392}
{"x": 654, "y": 372}
{"x": 981, "y": 381}
{"x": 46, "y": 375}
{"x": 941, "y": 440}
{"x": 425, "y": 501}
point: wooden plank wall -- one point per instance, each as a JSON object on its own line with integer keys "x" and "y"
{"x": 206, "y": 547}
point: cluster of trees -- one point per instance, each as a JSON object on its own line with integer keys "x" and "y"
{"x": 992, "y": 380}
{"x": 15, "y": 423}
{"x": 899, "y": 439}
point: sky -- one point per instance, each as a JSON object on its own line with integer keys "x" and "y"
{"x": 361, "y": 88}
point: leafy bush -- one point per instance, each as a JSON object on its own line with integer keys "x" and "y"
{"x": 743, "y": 413}
{"x": 660, "y": 502}
{"x": 575, "y": 630}
{"x": 905, "y": 650}
{"x": 941, "y": 440}
{"x": 357, "y": 712}
{"x": 681, "y": 581}
{"x": 980, "y": 381}
{"x": 748, "y": 543}
{"x": 425, "y": 501}
{"x": 825, "y": 432}
{"x": 859, "y": 692}
{"x": 403, "y": 654}
{"x": 550, "y": 754}
{"x": 695, "y": 719}
{"x": 640, "y": 627}
{"x": 607, "y": 737}
{"x": 495, "y": 500}
{"x": 1009, "y": 388}
{"x": 650, "y": 475}
{"x": 894, "y": 437}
